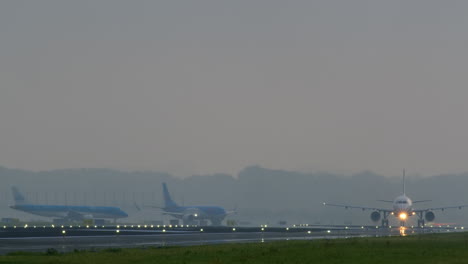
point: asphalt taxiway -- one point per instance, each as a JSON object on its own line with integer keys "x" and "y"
{"x": 65, "y": 239}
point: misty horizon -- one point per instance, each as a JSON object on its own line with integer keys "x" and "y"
{"x": 409, "y": 174}
{"x": 260, "y": 195}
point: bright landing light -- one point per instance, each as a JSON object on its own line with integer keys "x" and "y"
{"x": 402, "y": 231}
{"x": 403, "y": 216}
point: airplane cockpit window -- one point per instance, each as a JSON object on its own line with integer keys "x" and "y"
{"x": 402, "y": 202}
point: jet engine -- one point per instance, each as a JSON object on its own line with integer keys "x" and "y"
{"x": 190, "y": 215}
{"x": 430, "y": 216}
{"x": 375, "y": 216}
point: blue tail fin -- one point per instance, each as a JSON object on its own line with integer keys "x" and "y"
{"x": 17, "y": 196}
{"x": 168, "y": 202}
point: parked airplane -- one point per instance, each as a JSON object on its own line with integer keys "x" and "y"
{"x": 67, "y": 212}
{"x": 402, "y": 209}
{"x": 188, "y": 214}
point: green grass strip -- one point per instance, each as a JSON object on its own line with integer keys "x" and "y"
{"x": 429, "y": 248}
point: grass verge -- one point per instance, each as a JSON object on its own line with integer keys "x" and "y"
{"x": 430, "y": 248}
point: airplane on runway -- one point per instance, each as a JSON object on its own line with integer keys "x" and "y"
{"x": 67, "y": 212}
{"x": 188, "y": 214}
{"x": 402, "y": 209}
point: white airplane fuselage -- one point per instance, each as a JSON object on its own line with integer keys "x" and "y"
{"x": 402, "y": 207}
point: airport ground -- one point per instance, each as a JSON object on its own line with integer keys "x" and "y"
{"x": 446, "y": 247}
{"x": 300, "y": 244}
{"x": 70, "y": 238}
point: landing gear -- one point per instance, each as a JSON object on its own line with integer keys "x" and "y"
{"x": 385, "y": 222}
{"x": 385, "y": 219}
{"x": 421, "y": 223}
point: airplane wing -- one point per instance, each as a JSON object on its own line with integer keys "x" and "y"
{"x": 422, "y": 201}
{"x": 358, "y": 207}
{"x": 385, "y": 201}
{"x": 171, "y": 213}
{"x": 441, "y": 208}
{"x": 163, "y": 211}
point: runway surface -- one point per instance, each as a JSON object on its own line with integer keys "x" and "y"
{"x": 65, "y": 239}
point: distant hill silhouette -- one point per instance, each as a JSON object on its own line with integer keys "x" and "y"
{"x": 261, "y": 195}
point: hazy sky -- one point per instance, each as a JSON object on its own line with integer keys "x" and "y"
{"x": 213, "y": 86}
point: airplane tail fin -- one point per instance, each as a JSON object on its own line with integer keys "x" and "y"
{"x": 168, "y": 202}
{"x": 404, "y": 189}
{"x": 18, "y": 196}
